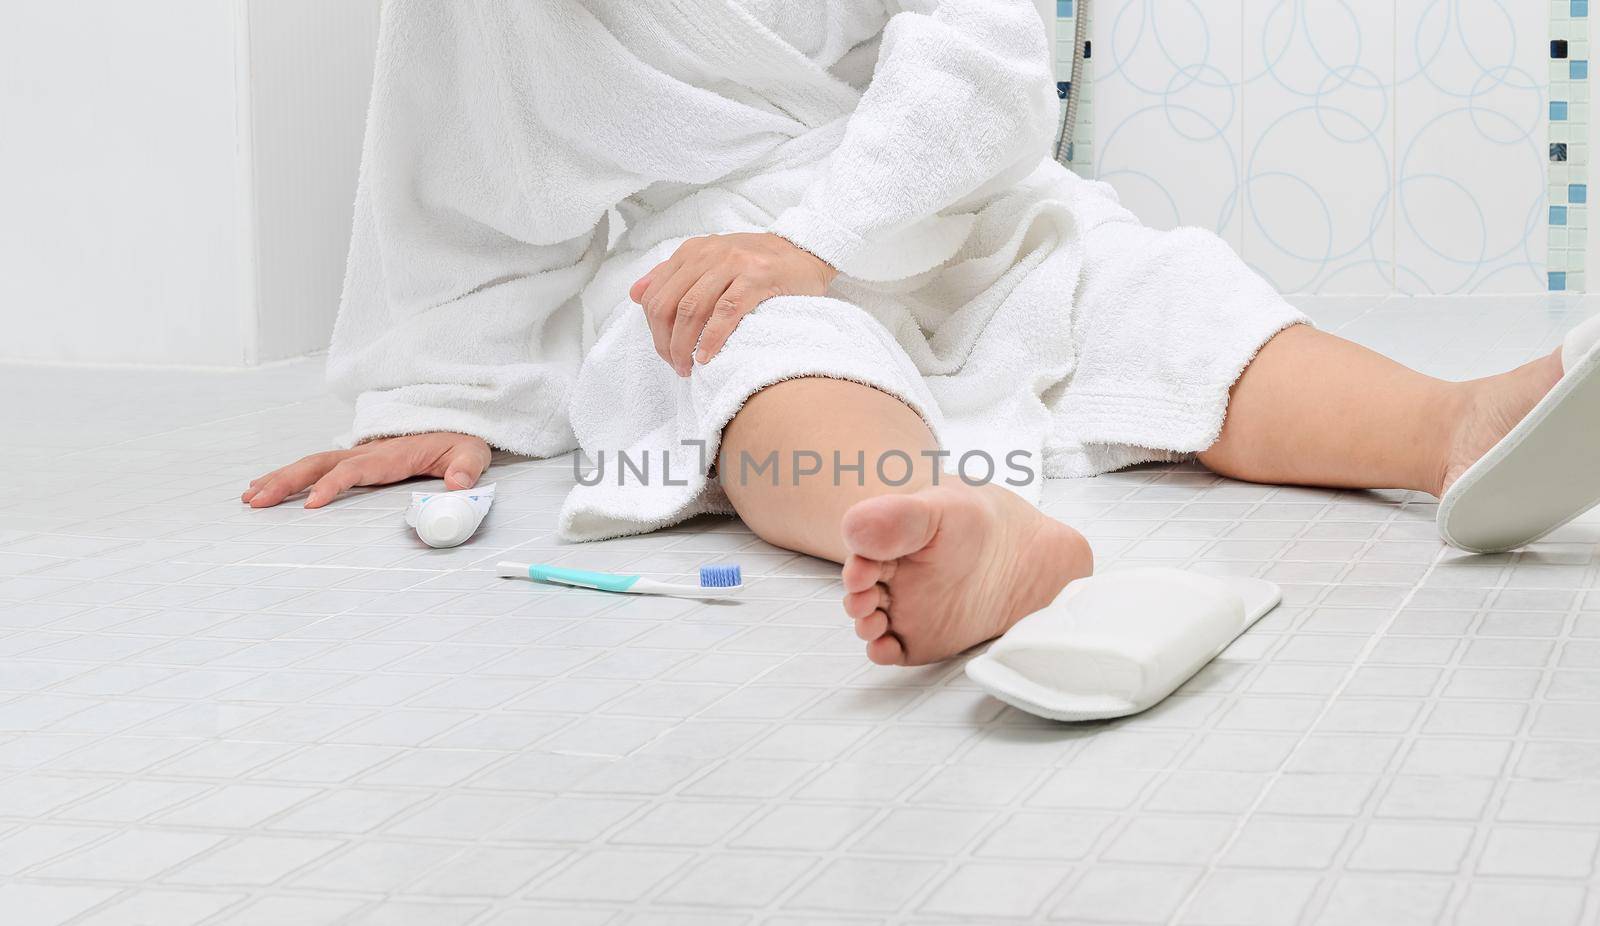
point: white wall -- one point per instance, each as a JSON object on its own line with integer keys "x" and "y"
{"x": 119, "y": 227}
{"x": 1340, "y": 147}
{"x": 176, "y": 177}
{"x": 310, "y": 76}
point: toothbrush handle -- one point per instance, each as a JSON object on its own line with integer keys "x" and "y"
{"x": 583, "y": 578}
{"x": 610, "y": 582}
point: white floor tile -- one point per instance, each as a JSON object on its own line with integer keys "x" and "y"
{"x": 214, "y": 715}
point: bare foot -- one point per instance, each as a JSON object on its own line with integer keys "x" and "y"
{"x": 1492, "y": 407}
{"x": 933, "y": 573}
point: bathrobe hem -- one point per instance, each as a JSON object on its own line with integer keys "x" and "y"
{"x": 580, "y": 523}
{"x": 1116, "y": 430}
{"x": 819, "y": 337}
{"x": 377, "y": 418}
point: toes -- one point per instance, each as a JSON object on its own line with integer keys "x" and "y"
{"x": 861, "y": 604}
{"x": 886, "y": 651}
{"x": 872, "y": 626}
{"x": 860, "y": 574}
{"x": 890, "y": 526}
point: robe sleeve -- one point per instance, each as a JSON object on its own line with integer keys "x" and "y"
{"x": 490, "y": 346}
{"x": 461, "y": 305}
{"x": 962, "y": 101}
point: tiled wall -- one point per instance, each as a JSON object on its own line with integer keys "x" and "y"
{"x": 1569, "y": 148}
{"x": 1350, "y": 147}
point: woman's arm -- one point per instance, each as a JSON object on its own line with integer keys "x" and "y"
{"x": 962, "y": 101}
{"x": 436, "y": 383}
{"x": 460, "y": 324}
{"x": 458, "y": 459}
{"x": 472, "y": 331}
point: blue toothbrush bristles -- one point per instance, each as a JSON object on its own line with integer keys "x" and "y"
{"x": 720, "y": 575}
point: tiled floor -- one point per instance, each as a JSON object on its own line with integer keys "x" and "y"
{"x": 216, "y": 715}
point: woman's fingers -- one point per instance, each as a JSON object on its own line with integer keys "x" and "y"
{"x": 733, "y": 305}
{"x": 279, "y": 485}
{"x": 731, "y": 274}
{"x": 694, "y": 309}
{"x": 282, "y": 483}
{"x": 351, "y": 472}
{"x": 645, "y": 293}
{"x": 662, "y": 302}
{"x": 260, "y": 482}
{"x": 459, "y": 458}
{"x": 643, "y": 285}
{"x": 380, "y": 463}
{"x": 255, "y": 486}
{"x": 465, "y": 463}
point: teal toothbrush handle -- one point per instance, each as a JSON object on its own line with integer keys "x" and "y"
{"x": 604, "y": 581}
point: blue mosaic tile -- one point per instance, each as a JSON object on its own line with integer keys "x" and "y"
{"x": 1568, "y": 115}
{"x": 1565, "y": 256}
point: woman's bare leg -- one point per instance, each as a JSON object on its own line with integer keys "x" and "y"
{"x": 1315, "y": 409}
{"x": 821, "y": 417}
{"x": 931, "y": 569}
{"x": 932, "y": 565}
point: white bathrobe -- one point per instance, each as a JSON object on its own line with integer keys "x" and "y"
{"x": 1015, "y": 307}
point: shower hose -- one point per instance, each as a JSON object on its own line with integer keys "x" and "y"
{"x": 1069, "y": 119}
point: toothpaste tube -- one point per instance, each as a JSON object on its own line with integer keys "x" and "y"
{"x": 448, "y": 519}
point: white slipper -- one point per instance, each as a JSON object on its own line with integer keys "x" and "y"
{"x": 1541, "y": 475}
{"x": 1117, "y": 643}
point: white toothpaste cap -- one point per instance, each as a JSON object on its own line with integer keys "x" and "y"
{"x": 446, "y": 521}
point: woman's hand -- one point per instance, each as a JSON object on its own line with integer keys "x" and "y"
{"x": 459, "y": 458}
{"x": 699, "y": 294}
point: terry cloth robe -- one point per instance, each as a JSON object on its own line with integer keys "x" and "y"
{"x": 527, "y": 160}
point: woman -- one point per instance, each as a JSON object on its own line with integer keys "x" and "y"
{"x": 841, "y": 241}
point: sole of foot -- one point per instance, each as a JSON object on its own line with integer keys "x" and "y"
{"x": 933, "y": 573}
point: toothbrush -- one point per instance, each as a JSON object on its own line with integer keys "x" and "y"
{"x": 716, "y": 581}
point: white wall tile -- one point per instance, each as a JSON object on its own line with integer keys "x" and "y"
{"x": 1168, "y": 121}
{"x": 1318, "y": 154}
{"x": 1471, "y": 147}
{"x": 1340, "y": 147}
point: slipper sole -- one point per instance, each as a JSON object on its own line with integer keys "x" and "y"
{"x": 1258, "y": 597}
{"x": 1542, "y": 475}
